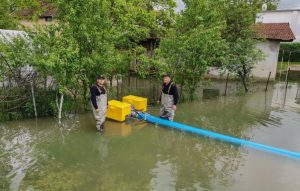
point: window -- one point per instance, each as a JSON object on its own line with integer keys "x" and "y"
{"x": 48, "y": 19}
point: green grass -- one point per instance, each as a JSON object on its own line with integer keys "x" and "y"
{"x": 285, "y": 65}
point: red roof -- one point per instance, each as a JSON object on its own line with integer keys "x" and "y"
{"x": 47, "y": 10}
{"x": 275, "y": 31}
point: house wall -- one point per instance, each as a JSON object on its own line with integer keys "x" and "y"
{"x": 269, "y": 64}
{"x": 282, "y": 16}
{"x": 261, "y": 70}
{"x": 40, "y": 21}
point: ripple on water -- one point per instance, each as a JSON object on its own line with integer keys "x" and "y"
{"x": 18, "y": 146}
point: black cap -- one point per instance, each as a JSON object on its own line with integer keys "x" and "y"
{"x": 101, "y": 77}
{"x": 166, "y": 75}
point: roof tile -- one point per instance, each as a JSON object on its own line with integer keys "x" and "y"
{"x": 275, "y": 31}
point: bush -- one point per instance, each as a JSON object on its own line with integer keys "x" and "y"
{"x": 288, "y": 47}
{"x": 45, "y": 104}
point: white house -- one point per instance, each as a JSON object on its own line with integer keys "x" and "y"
{"x": 273, "y": 34}
{"x": 291, "y": 16}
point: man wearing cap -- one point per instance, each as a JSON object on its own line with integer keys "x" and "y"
{"x": 99, "y": 102}
{"x": 168, "y": 98}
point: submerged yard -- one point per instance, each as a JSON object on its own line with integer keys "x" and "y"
{"x": 135, "y": 155}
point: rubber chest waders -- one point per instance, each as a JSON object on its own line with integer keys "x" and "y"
{"x": 167, "y": 101}
{"x": 102, "y": 106}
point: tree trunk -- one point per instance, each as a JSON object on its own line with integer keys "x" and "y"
{"x": 33, "y": 99}
{"x": 244, "y": 76}
{"x": 59, "y": 107}
{"x": 110, "y": 81}
{"x": 245, "y": 84}
{"x": 84, "y": 94}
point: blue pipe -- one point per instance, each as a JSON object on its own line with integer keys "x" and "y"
{"x": 152, "y": 119}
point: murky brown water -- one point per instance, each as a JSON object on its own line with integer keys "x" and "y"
{"x": 39, "y": 155}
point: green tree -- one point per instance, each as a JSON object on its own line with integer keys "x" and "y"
{"x": 57, "y": 56}
{"x": 271, "y": 4}
{"x": 194, "y": 43}
{"x": 108, "y": 40}
{"x": 137, "y": 20}
{"x": 11, "y": 12}
{"x": 243, "y": 53}
{"x": 16, "y": 59}
{"x": 91, "y": 38}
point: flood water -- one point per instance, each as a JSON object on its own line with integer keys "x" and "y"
{"x": 40, "y": 155}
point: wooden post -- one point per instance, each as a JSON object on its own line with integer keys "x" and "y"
{"x": 59, "y": 104}
{"x": 287, "y": 72}
{"x": 281, "y": 65}
{"x": 287, "y": 78}
{"x": 268, "y": 82}
{"x": 33, "y": 99}
{"x": 226, "y": 84}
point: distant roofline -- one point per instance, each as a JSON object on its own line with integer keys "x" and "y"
{"x": 281, "y": 10}
{"x": 275, "y": 31}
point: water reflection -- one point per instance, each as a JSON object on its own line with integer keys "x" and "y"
{"x": 163, "y": 176}
{"x": 17, "y": 147}
{"x": 113, "y": 128}
{"x": 139, "y": 156}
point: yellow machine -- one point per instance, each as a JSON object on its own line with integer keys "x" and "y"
{"x": 139, "y": 103}
{"x": 117, "y": 110}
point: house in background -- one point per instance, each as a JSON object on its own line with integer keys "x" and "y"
{"x": 273, "y": 34}
{"x": 291, "y": 16}
{"x": 47, "y": 16}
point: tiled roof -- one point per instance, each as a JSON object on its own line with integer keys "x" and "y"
{"x": 275, "y": 31}
{"x": 47, "y": 10}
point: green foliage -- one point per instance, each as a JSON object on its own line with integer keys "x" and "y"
{"x": 11, "y": 12}
{"x": 272, "y": 4}
{"x": 6, "y": 21}
{"x": 194, "y": 43}
{"x": 80, "y": 45}
{"x": 242, "y": 57}
{"x": 287, "y": 48}
{"x": 242, "y": 54}
{"x": 104, "y": 37}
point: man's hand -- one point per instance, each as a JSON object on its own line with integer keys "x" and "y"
{"x": 174, "y": 107}
{"x": 97, "y": 110}
{"x": 158, "y": 102}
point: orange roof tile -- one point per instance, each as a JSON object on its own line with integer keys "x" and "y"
{"x": 275, "y": 31}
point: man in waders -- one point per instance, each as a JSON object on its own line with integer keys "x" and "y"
{"x": 168, "y": 98}
{"x": 99, "y": 102}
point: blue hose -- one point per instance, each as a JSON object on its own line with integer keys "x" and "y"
{"x": 186, "y": 128}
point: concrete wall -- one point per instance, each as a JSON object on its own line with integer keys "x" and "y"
{"x": 269, "y": 64}
{"x": 283, "y": 16}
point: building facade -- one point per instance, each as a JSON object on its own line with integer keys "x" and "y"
{"x": 271, "y": 35}
{"x": 291, "y": 16}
